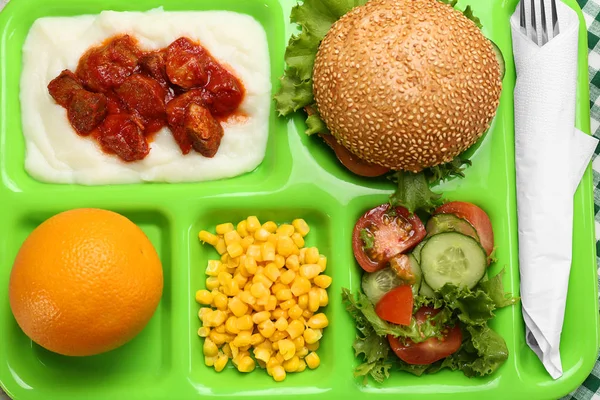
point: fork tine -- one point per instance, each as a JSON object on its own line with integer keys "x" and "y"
{"x": 555, "y": 28}
{"x": 523, "y": 18}
{"x": 544, "y": 24}
{"x": 534, "y": 34}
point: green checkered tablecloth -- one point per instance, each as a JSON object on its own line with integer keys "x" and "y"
{"x": 590, "y": 389}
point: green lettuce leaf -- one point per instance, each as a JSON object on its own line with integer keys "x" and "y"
{"x": 471, "y": 307}
{"x": 413, "y": 192}
{"x": 494, "y": 288}
{"x": 314, "y": 122}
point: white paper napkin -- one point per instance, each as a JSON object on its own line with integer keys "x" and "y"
{"x": 551, "y": 156}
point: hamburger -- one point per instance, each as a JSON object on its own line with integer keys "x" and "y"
{"x": 402, "y": 85}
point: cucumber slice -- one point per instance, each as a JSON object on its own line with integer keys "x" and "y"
{"x": 416, "y": 252}
{"x": 450, "y": 223}
{"x": 378, "y": 283}
{"x": 416, "y": 270}
{"x": 452, "y": 257}
{"x": 500, "y": 58}
{"x": 426, "y": 290}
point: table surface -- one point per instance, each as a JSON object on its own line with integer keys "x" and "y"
{"x": 590, "y": 389}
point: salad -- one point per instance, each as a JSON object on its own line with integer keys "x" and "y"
{"x": 425, "y": 298}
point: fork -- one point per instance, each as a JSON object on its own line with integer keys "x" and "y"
{"x": 533, "y": 32}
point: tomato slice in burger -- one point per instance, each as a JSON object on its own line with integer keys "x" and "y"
{"x": 382, "y": 233}
{"x": 430, "y": 350}
{"x": 396, "y": 305}
{"x": 351, "y": 161}
{"x": 476, "y": 217}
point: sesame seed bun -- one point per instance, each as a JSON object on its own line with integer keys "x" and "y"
{"x": 406, "y": 84}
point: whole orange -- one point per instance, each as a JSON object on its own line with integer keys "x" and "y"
{"x": 84, "y": 282}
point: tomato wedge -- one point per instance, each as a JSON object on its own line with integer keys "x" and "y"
{"x": 432, "y": 349}
{"x": 396, "y": 305}
{"x": 476, "y": 217}
{"x": 351, "y": 161}
{"x": 382, "y": 233}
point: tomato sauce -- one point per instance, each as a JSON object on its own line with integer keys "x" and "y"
{"x": 121, "y": 96}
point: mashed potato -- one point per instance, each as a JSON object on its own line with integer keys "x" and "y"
{"x": 55, "y": 153}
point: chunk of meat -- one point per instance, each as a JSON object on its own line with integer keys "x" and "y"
{"x": 203, "y": 129}
{"x": 120, "y": 134}
{"x": 227, "y": 90}
{"x": 63, "y": 87}
{"x": 176, "y": 113}
{"x": 143, "y": 95}
{"x": 187, "y": 63}
{"x": 154, "y": 64}
{"x": 86, "y": 110}
{"x": 105, "y": 67}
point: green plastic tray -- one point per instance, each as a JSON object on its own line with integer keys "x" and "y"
{"x": 299, "y": 177}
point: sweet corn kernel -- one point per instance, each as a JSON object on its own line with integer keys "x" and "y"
{"x": 212, "y": 282}
{"x": 235, "y": 249}
{"x": 298, "y": 240}
{"x": 262, "y": 234}
{"x": 221, "y": 329}
{"x": 301, "y": 366}
{"x": 307, "y": 314}
{"x": 273, "y": 361}
{"x": 204, "y": 331}
{"x": 235, "y": 351}
{"x": 287, "y": 277}
{"x": 204, "y": 297}
{"x": 312, "y": 360}
{"x": 246, "y": 364}
{"x": 266, "y": 328}
{"x": 269, "y": 226}
{"x": 285, "y": 229}
{"x": 292, "y": 263}
{"x": 309, "y": 271}
{"x": 303, "y": 302}
{"x": 221, "y": 362}
{"x": 260, "y": 317}
{"x": 285, "y": 246}
{"x": 260, "y": 278}
{"x": 273, "y": 240}
{"x": 323, "y": 297}
{"x": 322, "y": 262}
{"x": 272, "y": 272}
{"x": 241, "y": 228}
{"x": 258, "y": 290}
{"x": 279, "y": 358}
{"x": 281, "y": 324}
{"x": 312, "y": 335}
{"x": 225, "y": 258}
{"x": 217, "y": 338}
{"x": 301, "y": 226}
{"x": 295, "y": 329}
{"x": 210, "y": 361}
{"x": 295, "y": 311}
{"x": 221, "y": 247}
{"x": 292, "y": 364}
{"x": 252, "y": 224}
{"x": 224, "y": 228}
{"x": 253, "y": 251}
{"x": 287, "y": 349}
{"x": 244, "y": 323}
{"x": 318, "y": 321}
{"x": 298, "y": 342}
{"x": 274, "y": 343}
{"x": 300, "y": 286}
{"x": 279, "y": 261}
{"x": 311, "y": 256}
{"x": 278, "y": 373}
{"x": 220, "y": 301}
{"x": 322, "y": 281}
{"x": 213, "y": 268}
{"x": 302, "y": 352}
{"x": 208, "y": 237}
{"x": 279, "y": 313}
{"x": 271, "y": 303}
{"x": 231, "y": 325}
{"x": 266, "y": 344}
{"x": 284, "y": 295}
{"x": 210, "y": 348}
{"x": 237, "y": 306}
{"x": 262, "y": 354}
{"x": 240, "y": 280}
{"x": 278, "y": 286}
{"x": 246, "y": 242}
{"x": 231, "y": 288}
{"x": 314, "y": 299}
{"x": 256, "y": 339}
{"x": 224, "y": 278}
{"x": 232, "y": 237}
{"x": 268, "y": 252}
{"x": 242, "y": 339}
{"x": 247, "y": 297}
{"x": 261, "y": 364}
{"x": 286, "y": 305}
{"x": 279, "y": 335}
